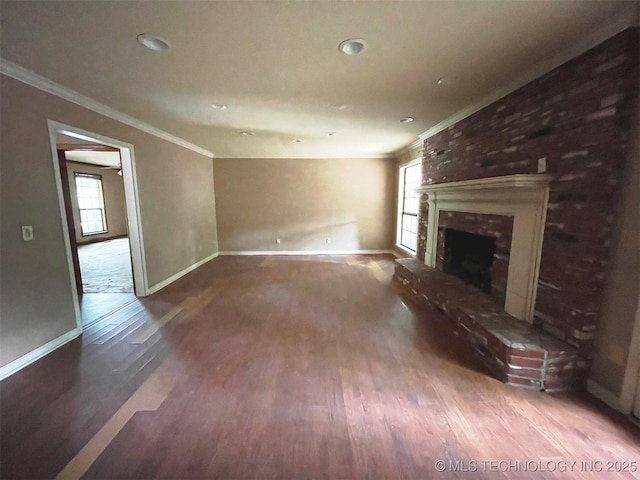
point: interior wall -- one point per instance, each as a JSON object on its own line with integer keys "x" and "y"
{"x": 616, "y": 323}
{"x": 577, "y": 121}
{"x": 304, "y": 202}
{"x": 114, "y": 203}
{"x": 177, "y": 210}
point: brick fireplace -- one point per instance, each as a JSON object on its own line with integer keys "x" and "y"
{"x": 511, "y": 209}
{"x": 575, "y": 121}
{"x": 498, "y": 220}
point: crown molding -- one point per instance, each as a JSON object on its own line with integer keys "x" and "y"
{"x": 24, "y": 75}
{"x": 628, "y": 17}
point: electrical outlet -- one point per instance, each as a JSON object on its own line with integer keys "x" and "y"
{"x": 542, "y": 165}
{"x": 278, "y": 241}
{"x": 27, "y": 233}
{"x": 328, "y": 239}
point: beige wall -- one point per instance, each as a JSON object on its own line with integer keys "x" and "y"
{"x": 623, "y": 285}
{"x": 303, "y": 202}
{"x": 114, "y": 206}
{"x": 176, "y": 206}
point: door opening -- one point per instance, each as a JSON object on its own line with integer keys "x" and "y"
{"x": 98, "y": 197}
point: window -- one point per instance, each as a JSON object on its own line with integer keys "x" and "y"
{"x": 91, "y": 204}
{"x": 408, "y": 205}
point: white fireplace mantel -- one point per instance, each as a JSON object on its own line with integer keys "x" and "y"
{"x": 525, "y": 198}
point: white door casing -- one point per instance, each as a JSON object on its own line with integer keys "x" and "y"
{"x": 136, "y": 242}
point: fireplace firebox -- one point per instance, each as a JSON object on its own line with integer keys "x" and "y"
{"x": 469, "y": 257}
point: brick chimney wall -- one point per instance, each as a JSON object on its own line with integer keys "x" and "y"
{"x": 578, "y": 119}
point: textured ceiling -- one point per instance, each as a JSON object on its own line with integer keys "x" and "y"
{"x": 276, "y": 63}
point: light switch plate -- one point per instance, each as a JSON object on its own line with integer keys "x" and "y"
{"x": 27, "y": 233}
{"x": 542, "y": 165}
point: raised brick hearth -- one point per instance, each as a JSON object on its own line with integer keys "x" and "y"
{"x": 518, "y": 353}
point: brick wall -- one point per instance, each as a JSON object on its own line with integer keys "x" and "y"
{"x": 578, "y": 118}
{"x": 423, "y": 216}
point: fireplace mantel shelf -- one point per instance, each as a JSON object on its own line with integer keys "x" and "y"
{"x": 505, "y": 182}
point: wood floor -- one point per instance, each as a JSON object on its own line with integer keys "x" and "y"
{"x": 105, "y": 266}
{"x": 94, "y": 306}
{"x": 292, "y": 367}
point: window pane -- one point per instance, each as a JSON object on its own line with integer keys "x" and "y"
{"x": 411, "y": 179}
{"x": 90, "y": 203}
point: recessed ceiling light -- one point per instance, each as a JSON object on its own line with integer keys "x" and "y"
{"x": 332, "y": 134}
{"x": 297, "y": 140}
{"x": 218, "y": 106}
{"x": 353, "y": 46}
{"x": 153, "y": 42}
{"x": 406, "y": 120}
{"x": 246, "y": 133}
{"x": 340, "y": 106}
{"x": 448, "y": 80}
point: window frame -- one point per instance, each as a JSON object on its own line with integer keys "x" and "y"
{"x": 401, "y": 204}
{"x": 103, "y": 210}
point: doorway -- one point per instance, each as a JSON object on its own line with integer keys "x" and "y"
{"x": 98, "y": 198}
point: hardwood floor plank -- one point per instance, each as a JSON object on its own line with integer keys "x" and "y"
{"x": 290, "y": 367}
{"x": 94, "y": 306}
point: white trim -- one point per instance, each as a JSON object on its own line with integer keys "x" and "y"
{"x": 306, "y": 252}
{"x": 64, "y": 225}
{"x": 182, "y": 273}
{"x": 24, "y": 75}
{"x": 410, "y": 163}
{"x": 28, "y": 358}
{"x": 483, "y": 184}
{"x": 524, "y": 197}
{"x": 626, "y": 18}
{"x": 400, "y": 200}
{"x": 603, "y": 394}
{"x": 404, "y": 250}
{"x": 129, "y": 178}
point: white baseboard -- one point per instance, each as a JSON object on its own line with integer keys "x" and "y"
{"x": 307, "y": 252}
{"x": 603, "y": 394}
{"x": 173, "y": 278}
{"x": 33, "y": 355}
